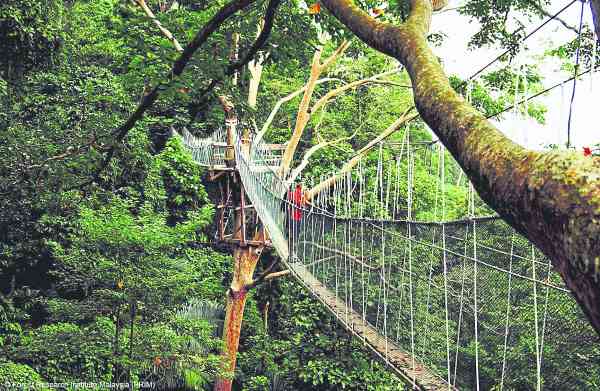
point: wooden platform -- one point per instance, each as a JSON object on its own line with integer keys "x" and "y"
{"x": 420, "y": 378}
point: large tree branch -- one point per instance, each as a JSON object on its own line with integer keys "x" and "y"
{"x": 303, "y": 115}
{"x": 340, "y": 90}
{"x": 177, "y": 69}
{"x": 543, "y": 11}
{"x": 267, "y": 275}
{"x": 553, "y": 198}
{"x": 234, "y": 66}
{"x": 262, "y": 38}
{"x": 255, "y": 66}
{"x": 375, "y": 79}
{"x": 163, "y": 30}
{"x": 309, "y": 153}
{"x": 280, "y": 102}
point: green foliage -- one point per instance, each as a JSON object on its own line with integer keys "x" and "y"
{"x": 31, "y": 34}
{"x": 12, "y": 373}
{"x": 304, "y": 348}
{"x": 114, "y": 281}
{"x": 568, "y": 52}
{"x": 68, "y": 352}
{"x": 494, "y": 17}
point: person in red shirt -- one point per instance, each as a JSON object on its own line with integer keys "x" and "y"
{"x": 297, "y": 198}
{"x": 297, "y": 201}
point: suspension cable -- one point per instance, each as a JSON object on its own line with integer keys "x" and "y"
{"x": 509, "y": 107}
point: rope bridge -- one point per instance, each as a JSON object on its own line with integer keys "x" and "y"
{"x": 449, "y": 297}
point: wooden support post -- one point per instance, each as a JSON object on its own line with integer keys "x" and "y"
{"x": 230, "y": 149}
{"x": 242, "y": 215}
{"x": 224, "y": 201}
{"x": 230, "y": 125}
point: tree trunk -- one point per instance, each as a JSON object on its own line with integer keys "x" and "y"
{"x": 255, "y": 67}
{"x": 595, "y": 7}
{"x": 245, "y": 260}
{"x": 553, "y": 198}
{"x": 302, "y": 116}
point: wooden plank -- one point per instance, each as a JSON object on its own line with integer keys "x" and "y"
{"x": 273, "y": 147}
{"x": 229, "y": 239}
{"x": 420, "y": 377}
{"x": 218, "y": 168}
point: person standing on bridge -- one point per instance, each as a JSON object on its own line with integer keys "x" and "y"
{"x": 296, "y": 204}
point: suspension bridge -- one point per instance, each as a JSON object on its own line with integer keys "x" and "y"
{"x": 449, "y": 298}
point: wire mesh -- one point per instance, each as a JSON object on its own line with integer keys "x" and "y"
{"x": 467, "y": 300}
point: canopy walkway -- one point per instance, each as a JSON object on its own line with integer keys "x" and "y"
{"x": 448, "y": 304}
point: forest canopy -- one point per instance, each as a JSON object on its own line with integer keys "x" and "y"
{"x": 111, "y": 268}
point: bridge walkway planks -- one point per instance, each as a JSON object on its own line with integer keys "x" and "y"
{"x": 421, "y": 378}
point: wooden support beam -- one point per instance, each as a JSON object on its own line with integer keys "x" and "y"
{"x": 255, "y": 243}
{"x": 242, "y": 211}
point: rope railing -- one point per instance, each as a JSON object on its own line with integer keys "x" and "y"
{"x": 459, "y": 303}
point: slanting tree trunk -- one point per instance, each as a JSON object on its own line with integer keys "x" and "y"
{"x": 553, "y": 198}
{"x": 303, "y": 115}
{"x": 255, "y": 67}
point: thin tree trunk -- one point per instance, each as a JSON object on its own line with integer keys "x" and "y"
{"x": 303, "y": 115}
{"x": 255, "y": 66}
{"x": 245, "y": 259}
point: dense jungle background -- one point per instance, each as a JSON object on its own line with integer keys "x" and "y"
{"x": 109, "y": 270}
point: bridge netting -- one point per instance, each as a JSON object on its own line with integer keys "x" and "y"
{"x": 442, "y": 290}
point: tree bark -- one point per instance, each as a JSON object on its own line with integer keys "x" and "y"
{"x": 595, "y": 7}
{"x": 255, "y": 66}
{"x": 553, "y": 198}
{"x": 303, "y": 115}
{"x": 245, "y": 260}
